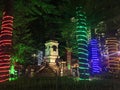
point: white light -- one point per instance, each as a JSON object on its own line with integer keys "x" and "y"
{"x": 118, "y": 52}
{"x": 34, "y": 55}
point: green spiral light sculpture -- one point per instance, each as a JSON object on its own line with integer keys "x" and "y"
{"x": 82, "y": 40}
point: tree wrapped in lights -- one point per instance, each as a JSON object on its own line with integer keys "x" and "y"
{"x": 95, "y": 57}
{"x": 82, "y": 40}
{"x": 6, "y": 41}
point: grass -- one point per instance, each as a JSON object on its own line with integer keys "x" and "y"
{"x": 59, "y": 83}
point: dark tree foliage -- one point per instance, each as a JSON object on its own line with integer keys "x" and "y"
{"x": 42, "y": 20}
{"x": 22, "y": 37}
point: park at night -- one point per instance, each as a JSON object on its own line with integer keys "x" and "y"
{"x": 59, "y": 45}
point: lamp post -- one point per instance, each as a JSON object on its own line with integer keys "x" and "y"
{"x": 34, "y": 57}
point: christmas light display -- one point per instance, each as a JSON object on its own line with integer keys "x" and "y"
{"x": 5, "y": 46}
{"x": 95, "y": 57}
{"x": 82, "y": 40}
{"x": 13, "y": 73}
{"x": 113, "y": 65}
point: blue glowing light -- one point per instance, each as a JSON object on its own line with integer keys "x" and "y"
{"x": 95, "y": 57}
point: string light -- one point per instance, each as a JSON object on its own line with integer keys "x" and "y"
{"x": 5, "y": 46}
{"x": 95, "y": 57}
{"x": 82, "y": 40}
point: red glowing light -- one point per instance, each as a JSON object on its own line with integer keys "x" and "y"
{"x": 5, "y": 46}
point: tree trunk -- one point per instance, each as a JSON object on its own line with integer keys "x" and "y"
{"x": 68, "y": 59}
{"x": 6, "y": 40}
{"x": 82, "y": 40}
{"x": 68, "y": 54}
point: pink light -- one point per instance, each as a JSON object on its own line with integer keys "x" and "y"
{"x": 4, "y": 71}
{"x": 3, "y": 67}
{"x": 4, "y": 80}
{"x": 4, "y": 75}
{"x": 10, "y": 21}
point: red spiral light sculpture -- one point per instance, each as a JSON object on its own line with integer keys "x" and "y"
{"x": 5, "y": 46}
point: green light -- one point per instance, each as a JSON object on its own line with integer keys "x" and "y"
{"x": 12, "y": 79}
{"x": 83, "y": 59}
{"x": 68, "y": 66}
{"x": 83, "y": 68}
{"x": 83, "y": 79}
{"x": 81, "y": 27}
{"x": 84, "y": 23}
{"x": 83, "y": 53}
{"x": 83, "y": 19}
{"x": 12, "y": 70}
{"x": 83, "y": 49}
{"x": 84, "y": 36}
{"x": 83, "y": 63}
{"x": 13, "y": 73}
{"x": 82, "y": 40}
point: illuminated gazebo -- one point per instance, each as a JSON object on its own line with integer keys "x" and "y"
{"x": 51, "y": 51}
